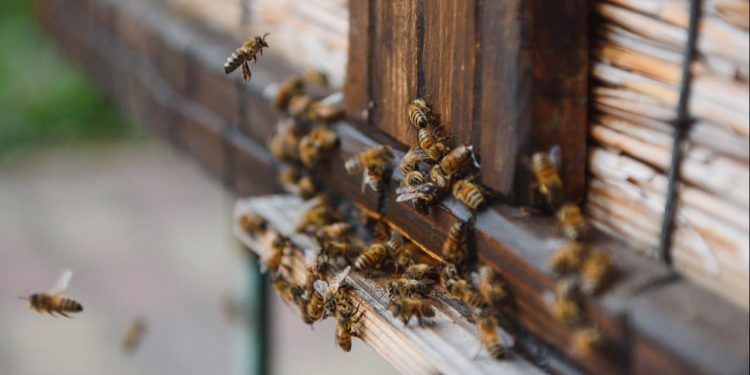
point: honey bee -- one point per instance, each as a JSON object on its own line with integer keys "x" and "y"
{"x": 272, "y": 259}
{"x": 313, "y": 269}
{"x": 416, "y": 187}
{"x": 594, "y": 271}
{"x": 566, "y": 303}
{"x": 315, "y": 77}
{"x": 452, "y": 164}
{"x": 463, "y": 291}
{"x": 571, "y": 222}
{"x": 333, "y": 249}
{"x": 544, "y": 166}
{"x": 568, "y": 257}
{"x": 289, "y": 88}
{"x": 253, "y": 223}
{"x": 313, "y": 146}
{"x": 468, "y": 193}
{"x": 285, "y": 143}
{"x": 282, "y": 287}
{"x": 489, "y": 287}
{"x": 375, "y": 161}
{"x": 299, "y": 106}
{"x": 306, "y": 188}
{"x": 52, "y": 302}
{"x": 330, "y": 292}
{"x": 421, "y": 271}
{"x": 411, "y": 159}
{"x": 133, "y": 335}
{"x": 314, "y": 309}
{"x": 405, "y": 308}
{"x": 320, "y": 213}
{"x": 404, "y": 287}
{"x": 347, "y": 324}
{"x": 242, "y": 56}
{"x": 402, "y": 256}
{"x": 420, "y": 114}
{"x": 432, "y": 144}
{"x": 323, "y": 111}
{"x": 455, "y": 247}
{"x": 377, "y": 227}
{"x": 333, "y": 231}
{"x": 585, "y": 341}
{"x": 372, "y": 258}
{"x": 487, "y": 327}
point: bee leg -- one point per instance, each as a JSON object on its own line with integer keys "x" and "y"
{"x": 64, "y": 314}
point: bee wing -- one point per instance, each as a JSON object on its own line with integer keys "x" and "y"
{"x": 320, "y": 286}
{"x": 419, "y": 155}
{"x": 474, "y": 278}
{"x": 336, "y": 282}
{"x": 555, "y": 155}
{"x": 62, "y": 282}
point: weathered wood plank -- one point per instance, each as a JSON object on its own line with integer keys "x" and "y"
{"x": 357, "y": 85}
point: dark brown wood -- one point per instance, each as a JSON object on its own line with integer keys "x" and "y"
{"x": 357, "y": 86}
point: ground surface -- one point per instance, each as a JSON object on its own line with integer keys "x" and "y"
{"x": 146, "y": 233}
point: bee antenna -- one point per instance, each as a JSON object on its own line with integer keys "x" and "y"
{"x": 265, "y": 35}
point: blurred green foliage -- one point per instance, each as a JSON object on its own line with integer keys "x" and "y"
{"x": 44, "y": 100}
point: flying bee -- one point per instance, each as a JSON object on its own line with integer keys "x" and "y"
{"x": 315, "y": 77}
{"x": 52, "y": 302}
{"x": 421, "y": 271}
{"x": 571, "y": 222}
{"x": 285, "y": 143}
{"x": 323, "y": 111}
{"x": 587, "y": 340}
{"x": 404, "y": 287}
{"x": 299, "y": 106}
{"x": 594, "y": 271}
{"x": 420, "y": 114}
{"x": 468, "y": 193}
{"x": 314, "y": 146}
{"x": 133, "y": 335}
{"x": 487, "y": 328}
{"x": 433, "y": 144}
{"x": 272, "y": 259}
{"x": 320, "y": 213}
{"x": 566, "y": 305}
{"x": 455, "y": 247}
{"x": 568, "y": 257}
{"x": 372, "y": 258}
{"x": 347, "y": 324}
{"x": 253, "y": 223}
{"x": 545, "y": 167}
{"x": 375, "y": 161}
{"x": 242, "y": 56}
{"x": 330, "y": 292}
{"x": 289, "y": 88}
{"x": 489, "y": 287}
{"x": 411, "y": 159}
{"x": 405, "y": 308}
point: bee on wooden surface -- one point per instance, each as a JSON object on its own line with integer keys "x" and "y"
{"x": 347, "y": 324}
{"x": 432, "y": 144}
{"x": 242, "y": 56}
{"x": 594, "y": 271}
{"x": 299, "y": 106}
{"x": 487, "y": 328}
{"x": 571, "y": 222}
{"x": 288, "y": 89}
{"x": 283, "y": 287}
{"x": 411, "y": 159}
{"x": 330, "y": 292}
{"x": 405, "y": 308}
{"x": 306, "y": 188}
{"x": 405, "y": 287}
{"x": 334, "y": 231}
{"x": 452, "y": 164}
{"x": 284, "y": 145}
{"x": 449, "y": 272}
{"x": 253, "y": 223}
{"x": 402, "y": 256}
{"x": 313, "y": 269}
{"x": 566, "y": 305}
{"x": 568, "y": 257}
{"x": 463, "y": 291}
{"x": 315, "y": 77}
{"x": 468, "y": 193}
{"x": 416, "y": 187}
{"x": 420, "y": 114}
{"x": 337, "y": 249}
{"x": 133, "y": 335}
{"x": 421, "y": 271}
{"x": 280, "y": 247}
{"x": 545, "y": 167}
{"x": 52, "y": 302}
{"x": 324, "y": 111}
{"x": 489, "y": 287}
{"x": 372, "y": 258}
{"x": 375, "y": 162}
{"x": 586, "y": 341}
{"x": 455, "y": 247}
{"x": 320, "y": 213}
{"x": 314, "y": 146}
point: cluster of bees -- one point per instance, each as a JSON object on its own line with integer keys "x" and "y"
{"x": 54, "y": 303}
{"x": 582, "y": 270}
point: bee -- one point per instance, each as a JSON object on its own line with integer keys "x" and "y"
{"x": 333, "y": 231}
{"x": 313, "y": 146}
{"x": 405, "y": 287}
{"x": 306, "y": 188}
{"x": 52, "y": 302}
{"x": 411, "y": 159}
{"x": 566, "y": 303}
{"x": 545, "y": 166}
{"x": 372, "y": 258}
{"x": 587, "y": 340}
{"x": 594, "y": 271}
{"x": 333, "y": 249}
{"x": 463, "y": 291}
{"x": 421, "y": 271}
{"x": 253, "y": 223}
{"x": 487, "y": 327}
{"x": 452, "y": 164}
{"x": 419, "y": 190}
{"x": 455, "y": 247}
{"x": 489, "y": 287}
{"x": 568, "y": 257}
{"x": 320, "y": 213}
{"x": 375, "y": 161}
{"x": 323, "y": 111}
{"x": 299, "y": 106}
{"x": 242, "y": 56}
{"x": 285, "y": 143}
{"x": 289, "y": 88}
{"x": 315, "y": 77}
{"x": 314, "y": 309}
{"x": 331, "y": 292}
{"x": 272, "y": 259}
{"x": 432, "y": 144}
{"x": 347, "y": 324}
{"x": 402, "y": 256}
{"x": 420, "y": 114}
{"x": 468, "y": 193}
{"x": 313, "y": 269}
{"x": 282, "y": 287}
{"x": 571, "y": 222}
{"x": 407, "y": 307}
{"x": 133, "y": 335}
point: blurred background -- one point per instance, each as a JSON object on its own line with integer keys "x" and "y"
{"x": 145, "y": 230}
